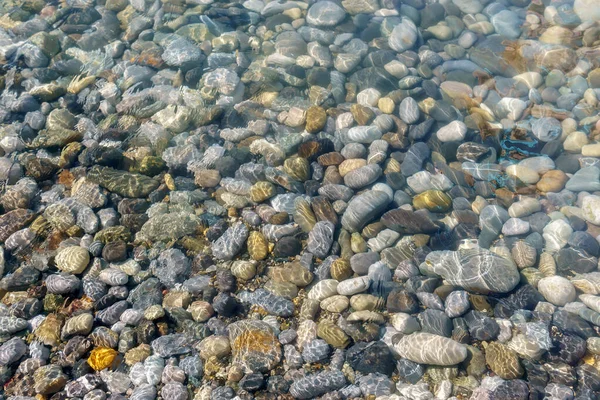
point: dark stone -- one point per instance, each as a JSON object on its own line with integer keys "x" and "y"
{"x": 538, "y": 221}
{"x": 571, "y": 261}
{"x": 410, "y": 371}
{"x": 471, "y": 151}
{"x": 115, "y": 251}
{"x": 514, "y": 389}
{"x": 227, "y": 166}
{"x": 277, "y": 384}
{"x": 460, "y": 333}
{"x": 567, "y": 163}
{"x": 287, "y": 246}
{"x": 318, "y": 76}
{"x": 216, "y": 230}
{"x": 481, "y": 327}
{"x": 536, "y": 374}
{"x": 560, "y": 373}
{"x": 409, "y": 222}
{"x": 588, "y": 377}
{"x": 571, "y": 323}
{"x": 436, "y": 322}
{"x": 374, "y": 357}
{"x": 414, "y": 158}
{"x": 225, "y": 305}
{"x": 225, "y": 281}
{"x": 525, "y": 298}
{"x": 146, "y": 332}
{"x": 584, "y": 241}
{"x": 402, "y": 301}
{"x": 252, "y": 382}
{"x": 374, "y": 77}
{"x": 567, "y": 348}
{"x": 418, "y": 284}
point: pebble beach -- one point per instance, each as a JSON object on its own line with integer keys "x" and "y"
{"x": 287, "y": 199}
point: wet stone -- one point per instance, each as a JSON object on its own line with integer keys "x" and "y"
{"x": 254, "y": 345}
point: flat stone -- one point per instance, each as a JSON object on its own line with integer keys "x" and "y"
{"x": 477, "y": 270}
{"x": 325, "y": 13}
{"x": 426, "y": 348}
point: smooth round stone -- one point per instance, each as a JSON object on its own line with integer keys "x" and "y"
{"x": 590, "y": 207}
{"x": 593, "y": 345}
{"x": 409, "y": 110}
{"x": 315, "y": 116}
{"x": 345, "y": 62}
{"x": 584, "y": 241}
{"x": 474, "y": 269}
{"x": 510, "y": 108}
{"x": 320, "y": 239}
{"x": 354, "y": 150}
{"x": 72, "y": 259}
{"x": 336, "y": 304}
{"x": 547, "y": 129}
{"x": 325, "y": 13}
{"x": 575, "y": 142}
{"x": 586, "y": 179}
{"x": 426, "y": 348}
{"x": 552, "y": 181}
{"x": 453, "y": 132}
{"x": 368, "y": 97}
{"x": 396, "y": 69}
{"x": 540, "y": 164}
{"x": 350, "y": 165}
{"x": 362, "y": 176}
{"x": 361, "y": 134}
{"x": 587, "y": 10}
{"x": 323, "y": 289}
{"x": 507, "y": 23}
{"x": 591, "y": 150}
{"x": 363, "y": 208}
{"x": 432, "y": 200}
{"x": 386, "y": 105}
{"x": 403, "y": 36}
{"x": 557, "y": 290}
{"x": 515, "y": 226}
{"x": 353, "y": 286}
{"x": 457, "y": 303}
{"x": 441, "y": 32}
{"x": 436, "y": 322}
{"x": 556, "y": 234}
{"x": 525, "y": 207}
{"x": 524, "y": 174}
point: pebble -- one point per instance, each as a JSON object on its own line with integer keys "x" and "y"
{"x": 427, "y": 348}
{"x": 557, "y": 290}
{"x": 455, "y": 131}
{"x": 475, "y": 269}
{"x": 404, "y": 36}
{"x": 73, "y": 259}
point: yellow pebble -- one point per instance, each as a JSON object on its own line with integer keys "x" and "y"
{"x": 101, "y": 358}
{"x": 386, "y": 105}
{"x": 170, "y": 182}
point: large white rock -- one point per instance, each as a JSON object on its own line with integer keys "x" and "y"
{"x": 427, "y": 348}
{"x": 587, "y": 10}
{"x": 404, "y": 36}
{"x": 557, "y": 290}
{"x": 591, "y": 209}
{"x": 453, "y": 132}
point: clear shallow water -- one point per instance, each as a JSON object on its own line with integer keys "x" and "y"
{"x": 346, "y": 199}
